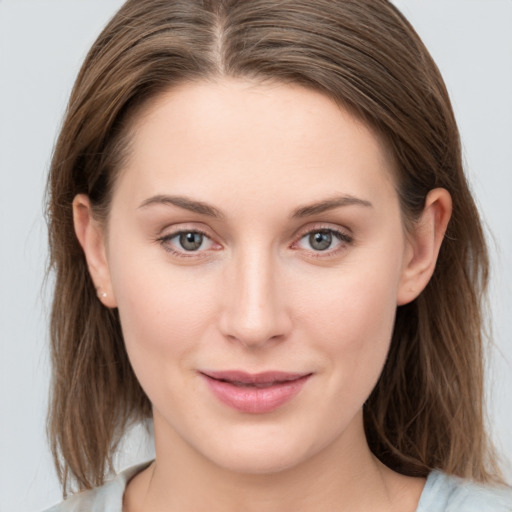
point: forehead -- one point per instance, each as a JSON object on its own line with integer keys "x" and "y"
{"x": 228, "y": 136}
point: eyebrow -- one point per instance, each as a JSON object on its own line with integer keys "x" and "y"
{"x": 183, "y": 202}
{"x": 330, "y": 204}
{"x": 205, "y": 209}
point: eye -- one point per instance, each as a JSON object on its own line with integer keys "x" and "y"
{"x": 323, "y": 240}
{"x": 190, "y": 241}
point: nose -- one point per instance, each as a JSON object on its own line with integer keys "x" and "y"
{"x": 254, "y": 307}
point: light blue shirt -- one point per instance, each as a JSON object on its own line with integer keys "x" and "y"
{"x": 442, "y": 493}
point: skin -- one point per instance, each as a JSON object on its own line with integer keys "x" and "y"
{"x": 257, "y": 295}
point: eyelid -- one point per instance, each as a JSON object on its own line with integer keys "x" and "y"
{"x": 324, "y": 226}
{"x": 180, "y": 227}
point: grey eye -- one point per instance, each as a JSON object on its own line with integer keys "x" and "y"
{"x": 191, "y": 241}
{"x": 320, "y": 240}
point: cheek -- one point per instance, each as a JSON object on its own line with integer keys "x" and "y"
{"x": 351, "y": 316}
{"x": 162, "y": 309}
{"x": 351, "y": 302}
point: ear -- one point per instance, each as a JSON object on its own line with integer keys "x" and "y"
{"x": 91, "y": 235}
{"x": 423, "y": 244}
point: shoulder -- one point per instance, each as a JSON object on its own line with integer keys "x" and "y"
{"x": 108, "y": 497}
{"x": 446, "y": 493}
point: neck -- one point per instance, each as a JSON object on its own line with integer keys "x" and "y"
{"x": 340, "y": 477}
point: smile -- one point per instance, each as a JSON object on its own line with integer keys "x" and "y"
{"x": 255, "y": 393}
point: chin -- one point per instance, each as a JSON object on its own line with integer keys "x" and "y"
{"x": 263, "y": 451}
{"x": 259, "y": 461}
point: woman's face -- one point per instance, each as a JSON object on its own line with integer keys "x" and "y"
{"x": 256, "y": 253}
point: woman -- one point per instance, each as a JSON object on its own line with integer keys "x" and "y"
{"x": 263, "y": 240}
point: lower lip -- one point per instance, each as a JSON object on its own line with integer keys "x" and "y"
{"x": 256, "y": 400}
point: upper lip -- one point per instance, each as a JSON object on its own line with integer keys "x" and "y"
{"x": 254, "y": 378}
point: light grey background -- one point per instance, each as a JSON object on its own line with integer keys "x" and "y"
{"x": 42, "y": 43}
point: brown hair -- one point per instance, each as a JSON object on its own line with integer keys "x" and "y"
{"x": 427, "y": 409}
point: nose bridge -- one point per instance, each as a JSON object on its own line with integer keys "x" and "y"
{"x": 254, "y": 312}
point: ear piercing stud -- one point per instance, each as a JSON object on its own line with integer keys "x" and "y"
{"x": 101, "y": 294}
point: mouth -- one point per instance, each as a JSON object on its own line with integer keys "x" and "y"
{"x": 255, "y": 393}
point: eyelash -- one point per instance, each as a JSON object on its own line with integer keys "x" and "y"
{"x": 343, "y": 238}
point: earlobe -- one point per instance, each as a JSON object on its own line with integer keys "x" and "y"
{"x": 423, "y": 245}
{"x": 90, "y": 234}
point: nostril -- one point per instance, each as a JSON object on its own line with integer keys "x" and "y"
{"x": 254, "y": 335}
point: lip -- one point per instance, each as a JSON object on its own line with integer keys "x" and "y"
{"x": 255, "y": 393}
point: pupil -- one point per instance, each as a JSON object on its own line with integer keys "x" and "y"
{"x": 191, "y": 241}
{"x": 320, "y": 240}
